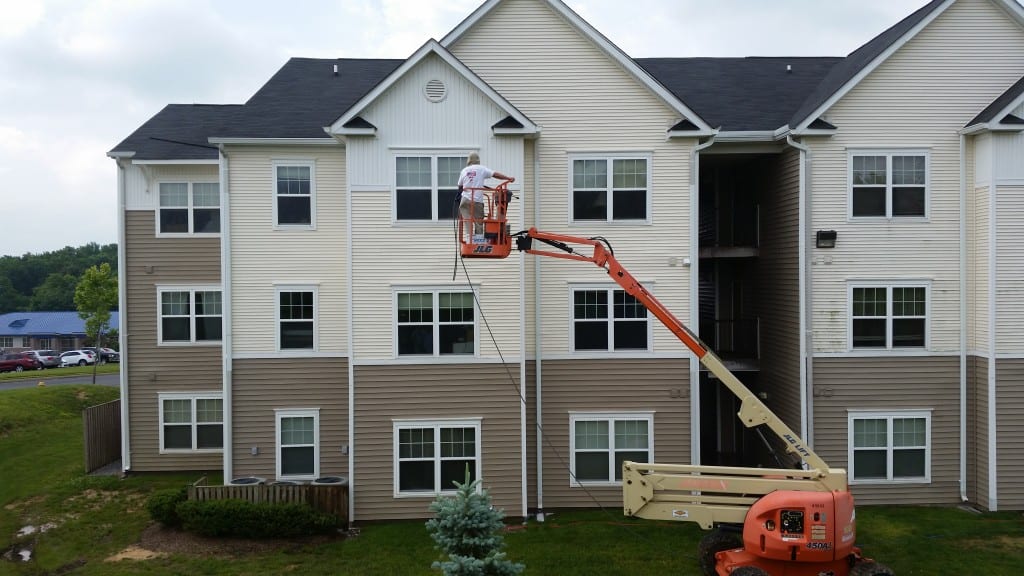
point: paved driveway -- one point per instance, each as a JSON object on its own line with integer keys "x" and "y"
{"x": 47, "y": 376}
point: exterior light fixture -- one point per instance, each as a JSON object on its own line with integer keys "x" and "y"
{"x": 825, "y": 239}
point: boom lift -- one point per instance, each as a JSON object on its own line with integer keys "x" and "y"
{"x": 793, "y": 521}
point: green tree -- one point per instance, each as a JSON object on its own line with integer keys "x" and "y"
{"x": 57, "y": 292}
{"x": 468, "y": 529}
{"x": 95, "y": 297}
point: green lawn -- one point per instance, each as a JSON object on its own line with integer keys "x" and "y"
{"x": 59, "y": 372}
{"x": 42, "y": 480}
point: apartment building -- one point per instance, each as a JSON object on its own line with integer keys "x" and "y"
{"x": 840, "y": 229}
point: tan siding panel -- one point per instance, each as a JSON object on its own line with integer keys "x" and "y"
{"x": 154, "y": 369}
{"x": 981, "y": 459}
{"x": 1010, "y": 433}
{"x": 259, "y": 387}
{"x": 386, "y": 393}
{"x": 933, "y": 383}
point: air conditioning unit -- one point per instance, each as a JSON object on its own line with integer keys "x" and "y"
{"x": 330, "y": 480}
{"x": 247, "y": 481}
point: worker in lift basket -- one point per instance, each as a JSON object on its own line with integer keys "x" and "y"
{"x": 471, "y": 183}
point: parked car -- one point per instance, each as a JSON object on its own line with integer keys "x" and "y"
{"x": 48, "y": 358}
{"x": 106, "y": 354}
{"x": 77, "y": 358}
{"x": 18, "y": 362}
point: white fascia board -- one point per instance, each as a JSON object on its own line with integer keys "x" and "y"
{"x": 613, "y": 51}
{"x": 276, "y": 141}
{"x": 212, "y": 162}
{"x": 1013, "y": 8}
{"x": 991, "y": 127}
{"x": 517, "y": 131}
{"x": 117, "y": 155}
{"x": 354, "y": 131}
{"x": 430, "y": 47}
{"x": 863, "y": 73}
{"x": 746, "y": 136}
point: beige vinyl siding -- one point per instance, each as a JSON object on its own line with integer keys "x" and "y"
{"x": 1010, "y": 431}
{"x": 979, "y": 263}
{"x": 778, "y": 275}
{"x": 154, "y": 369}
{"x": 262, "y": 256}
{"x": 626, "y": 385}
{"x": 1009, "y": 272}
{"x": 886, "y": 384}
{"x": 261, "y": 386}
{"x": 611, "y": 113}
{"x": 387, "y": 393}
{"x": 1008, "y": 149}
{"x": 978, "y": 460}
{"x": 919, "y": 98}
{"x": 142, "y": 184}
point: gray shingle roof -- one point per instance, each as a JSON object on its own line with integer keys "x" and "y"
{"x": 1000, "y": 104}
{"x": 179, "y": 132}
{"x": 740, "y": 94}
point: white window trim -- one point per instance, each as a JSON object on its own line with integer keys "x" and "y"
{"x": 435, "y": 290}
{"x": 193, "y": 396}
{"x": 610, "y": 288}
{"x": 889, "y": 285}
{"x": 6, "y": 341}
{"x": 436, "y": 424}
{"x": 611, "y": 417}
{"x": 191, "y": 207}
{"x": 296, "y": 352}
{"x": 889, "y": 415}
{"x": 191, "y": 289}
{"x": 888, "y": 153}
{"x": 297, "y": 413}
{"x": 433, "y": 154}
{"x": 609, "y": 157}
{"x": 305, "y": 163}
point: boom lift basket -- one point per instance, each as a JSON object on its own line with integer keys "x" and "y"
{"x": 490, "y": 236}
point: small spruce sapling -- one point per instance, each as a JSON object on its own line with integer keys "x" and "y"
{"x": 467, "y": 528}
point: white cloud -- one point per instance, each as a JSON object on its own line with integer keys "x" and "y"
{"x": 19, "y": 17}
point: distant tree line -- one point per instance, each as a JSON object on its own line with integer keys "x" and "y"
{"x": 46, "y": 281}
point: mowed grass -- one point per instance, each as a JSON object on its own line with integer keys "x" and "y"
{"x": 42, "y": 481}
{"x": 48, "y": 373}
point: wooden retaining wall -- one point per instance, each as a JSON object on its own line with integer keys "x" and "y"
{"x": 102, "y": 434}
{"x": 332, "y": 499}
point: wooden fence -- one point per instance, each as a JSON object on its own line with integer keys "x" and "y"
{"x": 102, "y": 424}
{"x": 329, "y": 498}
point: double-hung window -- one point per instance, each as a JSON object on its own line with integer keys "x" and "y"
{"x": 889, "y": 446}
{"x": 298, "y": 443}
{"x": 189, "y": 208}
{"x": 295, "y": 194}
{"x": 191, "y": 421}
{"x": 427, "y": 187}
{"x": 608, "y": 319}
{"x": 435, "y": 323}
{"x": 888, "y": 316}
{"x": 190, "y": 315}
{"x": 610, "y": 188}
{"x": 296, "y": 318}
{"x": 430, "y": 456}
{"x": 599, "y": 443}
{"x": 888, "y": 184}
{"x": 6, "y": 341}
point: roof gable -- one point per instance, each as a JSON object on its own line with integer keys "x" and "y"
{"x": 999, "y": 114}
{"x": 432, "y": 47}
{"x": 605, "y": 45}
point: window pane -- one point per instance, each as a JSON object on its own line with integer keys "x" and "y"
{"x": 209, "y": 303}
{"x": 174, "y": 195}
{"x": 870, "y": 433}
{"x": 206, "y": 195}
{"x": 629, "y": 205}
{"x": 208, "y": 328}
{"x": 455, "y": 307}
{"x": 629, "y": 173}
{"x": 206, "y": 220}
{"x": 626, "y": 306}
{"x": 869, "y": 170}
{"x": 908, "y": 332}
{"x": 908, "y": 432}
{"x": 416, "y": 475}
{"x": 869, "y": 302}
{"x": 296, "y": 305}
{"x": 210, "y": 436}
{"x": 908, "y": 301}
{"x": 456, "y": 339}
{"x": 630, "y": 434}
{"x": 448, "y": 170}
{"x": 294, "y": 210}
{"x": 297, "y": 430}
{"x": 590, "y": 335}
{"x": 178, "y": 437}
{"x": 908, "y": 170}
{"x": 297, "y": 461}
{"x": 630, "y": 335}
{"x": 296, "y": 335}
{"x": 869, "y": 464}
{"x": 868, "y": 201}
{"x": 416, "y": 443}
{"x": 592, "y": 435}
{"x": 448, "y": 204}
{"x": 177, "y": 411}
{"x": 592, "y": 466}
{"x": 293, "y": 180}
{"x": 412, "y": 205}
{"x": 209, "y": 410}
{"x": 413, "y": 172}
{"x": 589, "y": 304}
{"x": 455, "y": 471}
{"x": 416, "y": 307}
{"x": 590, "y": 174}
{"x": 176, "y": 330}
{"x": 908, "y": 463}
{"x": 589, "y": 205}
{"x": 907, "y": 201}
{"x": 173, "y": 221}
{"x": 869, "y": 333}
{"x": 633, "y": 455}
{"x": 174, "y": 303}
{"x": 416, "y": 339}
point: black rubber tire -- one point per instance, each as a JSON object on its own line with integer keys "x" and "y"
{"x": 81, "y": 362}
{"x": 749, "y": 571}
{"x": 869, "y": 568}
{"x": 712, "y": 543}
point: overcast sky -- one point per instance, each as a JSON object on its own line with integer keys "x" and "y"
{"x": 78, "y": 76}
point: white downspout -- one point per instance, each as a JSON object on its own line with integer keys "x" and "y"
{"x": 993, "y": 453}
{"x": 122, "y": 315}
{"x": 225, "y": 286}
{"x": 805, "y": 295}
{"x": 537, "y": 341}
{"x": 695, "y": 455}
{"x": 963, "y": 318}
{"x": 524, "y": 460}
{"x": 351, "y": 353}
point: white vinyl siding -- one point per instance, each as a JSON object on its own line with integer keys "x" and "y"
{"x": 887, "y": 447}
{"x": 142, "y": 183}
{"x": 600, "y": 442}
{"x": 297, "y": 448}
{"x": 430, "y": 455}
{"x": 918, "y": 99}
{"x": 191, "y": 422}
{"x": 1009, "y": 302}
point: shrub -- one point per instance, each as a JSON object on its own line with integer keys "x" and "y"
{"x": 241, "y": 519}
{"x": 162, "y": 506}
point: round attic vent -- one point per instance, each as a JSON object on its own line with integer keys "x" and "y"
{"x": 435, "y": 90}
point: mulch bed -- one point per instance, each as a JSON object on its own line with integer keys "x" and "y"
{"x": 158, "y": 538}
